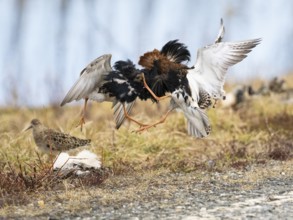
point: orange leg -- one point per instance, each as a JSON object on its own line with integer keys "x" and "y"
{"x": 162, "y": 120}
{"x": 130, "y": 118}
{"x": 152, "y": 93}
{"x": 82, "y": 120}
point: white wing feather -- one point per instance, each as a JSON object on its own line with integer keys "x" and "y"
{"x": 209, "y": 74}
{"x": 91, "y": 78}
{"x": 221, "y": 33}
{"x": 212, "y": 64}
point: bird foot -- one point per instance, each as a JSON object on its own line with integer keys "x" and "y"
{"x": 144, "y": 128}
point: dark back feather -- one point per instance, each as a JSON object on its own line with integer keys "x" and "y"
{"x": 124, "y": 82}
{"x": 126, "y": 68}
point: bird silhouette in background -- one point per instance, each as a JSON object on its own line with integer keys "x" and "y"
{"x": 276, "y": 85}
{"x": 88, "y": 87}
{"x": 49, "y": 140}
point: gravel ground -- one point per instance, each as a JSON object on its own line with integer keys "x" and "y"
{"x": 271, "y": 199}
{"x": 256, "y": 193}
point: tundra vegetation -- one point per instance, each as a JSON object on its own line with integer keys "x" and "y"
{"x": 257, "y": 133}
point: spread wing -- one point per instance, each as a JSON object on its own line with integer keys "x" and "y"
{"x": 221, "y": 33}
{"x": 197, "y": 121}
{"x": 212, "y": 64}
{"x": 90, "y": 79}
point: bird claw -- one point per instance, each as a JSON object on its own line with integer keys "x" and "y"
{"x": 144, "y": 128}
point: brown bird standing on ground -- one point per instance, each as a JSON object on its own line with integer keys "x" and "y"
{"x": 50, "y": 140}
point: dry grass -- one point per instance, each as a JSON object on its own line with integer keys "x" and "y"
{"x": 258, "y": 132}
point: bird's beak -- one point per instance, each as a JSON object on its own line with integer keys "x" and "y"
{"x": 29, "y": 127}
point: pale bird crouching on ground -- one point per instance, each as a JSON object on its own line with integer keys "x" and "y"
{"x": 49, "y": 140}
{"x": 84, "y": 162}
{"x": 236, "y": 97}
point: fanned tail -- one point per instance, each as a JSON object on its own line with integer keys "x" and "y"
{"x": 176, "y": 52}
{"x": 198, "y": 125}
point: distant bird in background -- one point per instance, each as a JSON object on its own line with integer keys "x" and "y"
{"x": 88, "y": 87}
{"x": 49, "y": 140}
{"x": 277, "y": 85}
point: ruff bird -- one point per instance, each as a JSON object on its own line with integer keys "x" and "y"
{"x": 49, "y": 140}
{"x": 192, "y": 89}
{"x": 163, "y": 73}
{"x": 88, "y": 87}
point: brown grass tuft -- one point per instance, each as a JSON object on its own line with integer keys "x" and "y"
{"x": 29, "y": 178}
{"x": 280, "y": 149}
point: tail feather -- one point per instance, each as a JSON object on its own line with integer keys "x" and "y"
{"x": 119, "y": 115}
{"x": 176, "y": 52}
{"x": 197, "y": 121}
{"x": 198, "y": 125}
